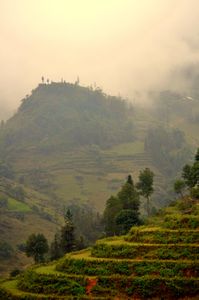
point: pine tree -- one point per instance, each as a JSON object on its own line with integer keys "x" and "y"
{"x": 55, "y": 248}
{"x": 67, "y": 238}
{"x": 129, "y": 197}
{"x": 113, "y": 207}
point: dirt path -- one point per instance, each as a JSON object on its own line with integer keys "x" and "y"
{"x": 90, "y": 284}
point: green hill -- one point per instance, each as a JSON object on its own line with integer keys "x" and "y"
{"x": 63, "y": 115}
{"x": 160, "y": 259}
{"x": 71, "y": 143}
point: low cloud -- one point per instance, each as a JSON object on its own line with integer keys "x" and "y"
{"x": 123, "y": 46}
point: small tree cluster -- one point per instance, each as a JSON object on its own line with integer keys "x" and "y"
{"x": 190, "y": 179}
{"x": 122, "y": 211}
{"x": 36, "y": 247}
{"x": 64, "y": 241}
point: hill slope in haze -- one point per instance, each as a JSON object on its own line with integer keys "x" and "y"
{"x": 68, "y": 143}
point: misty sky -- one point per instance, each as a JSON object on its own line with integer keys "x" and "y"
{"x": 122, "y": 45}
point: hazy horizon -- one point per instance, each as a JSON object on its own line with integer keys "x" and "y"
{"x": 123, "y": 46}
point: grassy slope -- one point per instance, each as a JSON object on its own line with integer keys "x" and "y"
{"x": 178, "y": 277}
{"x": 21, "y": 218}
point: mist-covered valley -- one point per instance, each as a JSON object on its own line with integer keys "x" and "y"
{"x": 99, "y": 149}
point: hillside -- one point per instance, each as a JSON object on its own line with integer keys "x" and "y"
{"x": 155, "y": 260}
{"x": 22, "y": 211}
{"x": 68, "y": 143}
{"x": 73, "y": 142}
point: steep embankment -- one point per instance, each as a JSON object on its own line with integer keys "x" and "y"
{"x": 160, "y": 259}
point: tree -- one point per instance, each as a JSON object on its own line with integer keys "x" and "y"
{"x": 190, "y": 174}
{"x": 113, "y": 207}
{"x": 130, "y": 180}
{"x": 55, "y": 248}
{"x": 145, "y": 185}
{"x": 122, "y": 211}
{"x": 187, "y": 175}
{"x": 36, "y": 246}
{"x": 197, "y": 156}
{"x": 179, "y": 186}
{"x": 129, "y": 197}
{"x": 125, "y": 219}
{"x": 67, "y": 238}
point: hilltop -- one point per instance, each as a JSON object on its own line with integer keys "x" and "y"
{"x": 60, "y": 116}
{"x": 154, "y": 260}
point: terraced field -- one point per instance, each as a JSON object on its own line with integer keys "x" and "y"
{"x": 151, "y": 262}
{"x": 90, "y": 174}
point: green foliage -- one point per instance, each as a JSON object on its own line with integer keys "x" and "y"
{"x": 5, "y": 295}
{"x": 129, "y": 197}
{"x": 179, "y": 186}
{"x": 122, "y": 211}
{"x": 163, "y": 236}
{"x": 147, "y": 287}
{"x": 195, "y": 192}
{"x": 17, "y": 206}
{"x": 37, "y": 246}
{"x": 125, "y": 219}
{"x": 126, "y": 267}
{"x": 90, "y": 230}
{"x": 149, "y": 251}
{"x": 55, "y": 248}
{"x": 145, "y": 185}
{"x": 67, "y": 234}
{"x": 178, "y": 222}
{"x": 50, "y": 284}
{"x": 113, "y": 207}
{"x": 190, "y": 174}
{"x": 65, "y": 240}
